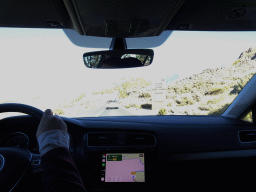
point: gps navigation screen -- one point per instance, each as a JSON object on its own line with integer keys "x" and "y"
{"x": 123, "y": 167}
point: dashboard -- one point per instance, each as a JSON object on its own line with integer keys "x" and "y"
{"x": 147, "y": 153}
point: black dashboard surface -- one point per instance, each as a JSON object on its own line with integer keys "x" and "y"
{"x": 184, "y": 151}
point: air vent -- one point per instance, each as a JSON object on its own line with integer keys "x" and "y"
{"x": 140, "y": 139}
{"x": 247, "y": 136}
{"x": 102, "y": 139}
{"x": 121, "y": 139}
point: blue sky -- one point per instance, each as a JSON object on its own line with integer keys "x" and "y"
{"x": 43, "y": 61}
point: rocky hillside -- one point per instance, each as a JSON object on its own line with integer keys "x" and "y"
{"x": 249, "y": 54}
{"x": 211, "y": 91}
{"x": 207, "y": 93}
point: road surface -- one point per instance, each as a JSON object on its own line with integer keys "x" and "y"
{"x": 101, "y": 111}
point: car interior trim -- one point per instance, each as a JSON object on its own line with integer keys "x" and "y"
{"x": 243, "y": 101}
{"x": 2, "y": 161}
{"x": 73, "y": 16}
{"x": 121, "y": 139}
{"x": 213, "y": 155}
{"x": 250, "y": 134}
{"x": 169, "y": 18}
{"x": 24, "y": 171}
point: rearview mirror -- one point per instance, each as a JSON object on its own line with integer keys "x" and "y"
{"x": 119, "y": 58}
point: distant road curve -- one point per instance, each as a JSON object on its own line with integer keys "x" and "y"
{"x": 102, "y": 111}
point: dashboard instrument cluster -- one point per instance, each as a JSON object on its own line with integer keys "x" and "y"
{"x": 16, "y": 139}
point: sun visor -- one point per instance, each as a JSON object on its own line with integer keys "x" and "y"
{"x": 115, "y": 18}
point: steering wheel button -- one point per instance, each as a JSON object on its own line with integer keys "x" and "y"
{"x": 96, "y": 167}
{"x": 36, "y": 162}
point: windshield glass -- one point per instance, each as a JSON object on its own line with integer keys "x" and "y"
{"x": 192, "y": 73}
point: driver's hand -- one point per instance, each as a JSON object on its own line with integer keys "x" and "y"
{"x": 50, "y": 122}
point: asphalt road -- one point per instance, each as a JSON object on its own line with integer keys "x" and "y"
{"x": 102, "y": 111}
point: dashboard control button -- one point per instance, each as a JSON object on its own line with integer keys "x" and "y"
{"x": 36, "y": 162}
{"x": 96, "y": 167}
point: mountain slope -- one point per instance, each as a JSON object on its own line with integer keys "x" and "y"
{"x": 207, "y": 93}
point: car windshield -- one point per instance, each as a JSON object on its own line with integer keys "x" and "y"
{"x": 192, "y": 73}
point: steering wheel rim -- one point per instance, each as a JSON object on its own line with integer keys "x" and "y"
{"x": 14, "y": 161}
{"x": 17, "y": 107}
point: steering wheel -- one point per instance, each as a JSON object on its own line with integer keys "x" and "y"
{"x": 14, "y": 161}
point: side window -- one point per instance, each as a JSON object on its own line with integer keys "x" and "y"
{"x": 248, "y": 117}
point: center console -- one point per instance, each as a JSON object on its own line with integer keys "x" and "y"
{"x": 120, "y": 167}
{"x": 123, "y": 170}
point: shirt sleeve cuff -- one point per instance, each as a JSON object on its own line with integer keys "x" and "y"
{"x": 52, "y": 139}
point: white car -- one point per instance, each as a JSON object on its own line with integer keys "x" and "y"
{"x": 112, "y": 104}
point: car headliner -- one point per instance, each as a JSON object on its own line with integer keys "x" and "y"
{"x": 188, "y": 15}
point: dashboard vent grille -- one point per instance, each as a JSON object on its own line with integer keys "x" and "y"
{"x": 247, "y": 136}
{"x": 102, "y": 139}
{"x": 140, "y": 139}
{"x": 121, "y": 139}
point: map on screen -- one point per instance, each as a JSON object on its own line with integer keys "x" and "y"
{"x": 125, "y": 167}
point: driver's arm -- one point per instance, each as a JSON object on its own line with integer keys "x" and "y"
{"x": 59, "y": 170}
